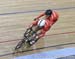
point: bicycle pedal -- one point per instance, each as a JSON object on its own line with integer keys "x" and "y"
{"x": 26, "y": 40}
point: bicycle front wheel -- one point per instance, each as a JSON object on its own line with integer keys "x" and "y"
{"x": 20, "y": 44}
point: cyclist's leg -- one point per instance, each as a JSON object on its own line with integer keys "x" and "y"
{"x": 38, "y": 36}
{"x": 40, "y": 26}
{"x": 30, "y": 27}
{"x": 33, "y": 41}
{"x": 42, "y": 33}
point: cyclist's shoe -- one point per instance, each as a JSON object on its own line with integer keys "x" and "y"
{"x": 29, "y": 44}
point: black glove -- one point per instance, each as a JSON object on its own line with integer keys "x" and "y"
{"x": 35, "y": 19}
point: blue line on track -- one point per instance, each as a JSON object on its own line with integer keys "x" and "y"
{"x": 20, "y": 12}
{"x": 50, "y": 54}
{"x": 59, "y": 45}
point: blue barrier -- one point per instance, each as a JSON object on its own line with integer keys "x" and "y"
{"x": 50, "y": 54}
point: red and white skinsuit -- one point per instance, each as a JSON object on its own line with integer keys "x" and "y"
{"x": 48, "y": 23}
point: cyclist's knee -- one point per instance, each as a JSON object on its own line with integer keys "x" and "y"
{"x": 33, "y": 41}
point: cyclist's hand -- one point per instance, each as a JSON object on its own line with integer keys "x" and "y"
{"x": 35, "y": 19}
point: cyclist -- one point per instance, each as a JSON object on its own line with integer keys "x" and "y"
{"x": 49, "y": 18}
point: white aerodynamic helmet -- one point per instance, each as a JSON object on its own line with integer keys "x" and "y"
{"x": 41, "y": 23}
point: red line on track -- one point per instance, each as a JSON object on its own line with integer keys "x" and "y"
{"x": 46, "y": 35}
{"x": 61, "y": 33}
{"x": 9, "y": 41}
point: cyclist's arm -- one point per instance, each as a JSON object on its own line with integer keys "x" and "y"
{"x": 40, "y": 15}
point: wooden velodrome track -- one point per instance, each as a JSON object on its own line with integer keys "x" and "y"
{"x": 15, "y": 15}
